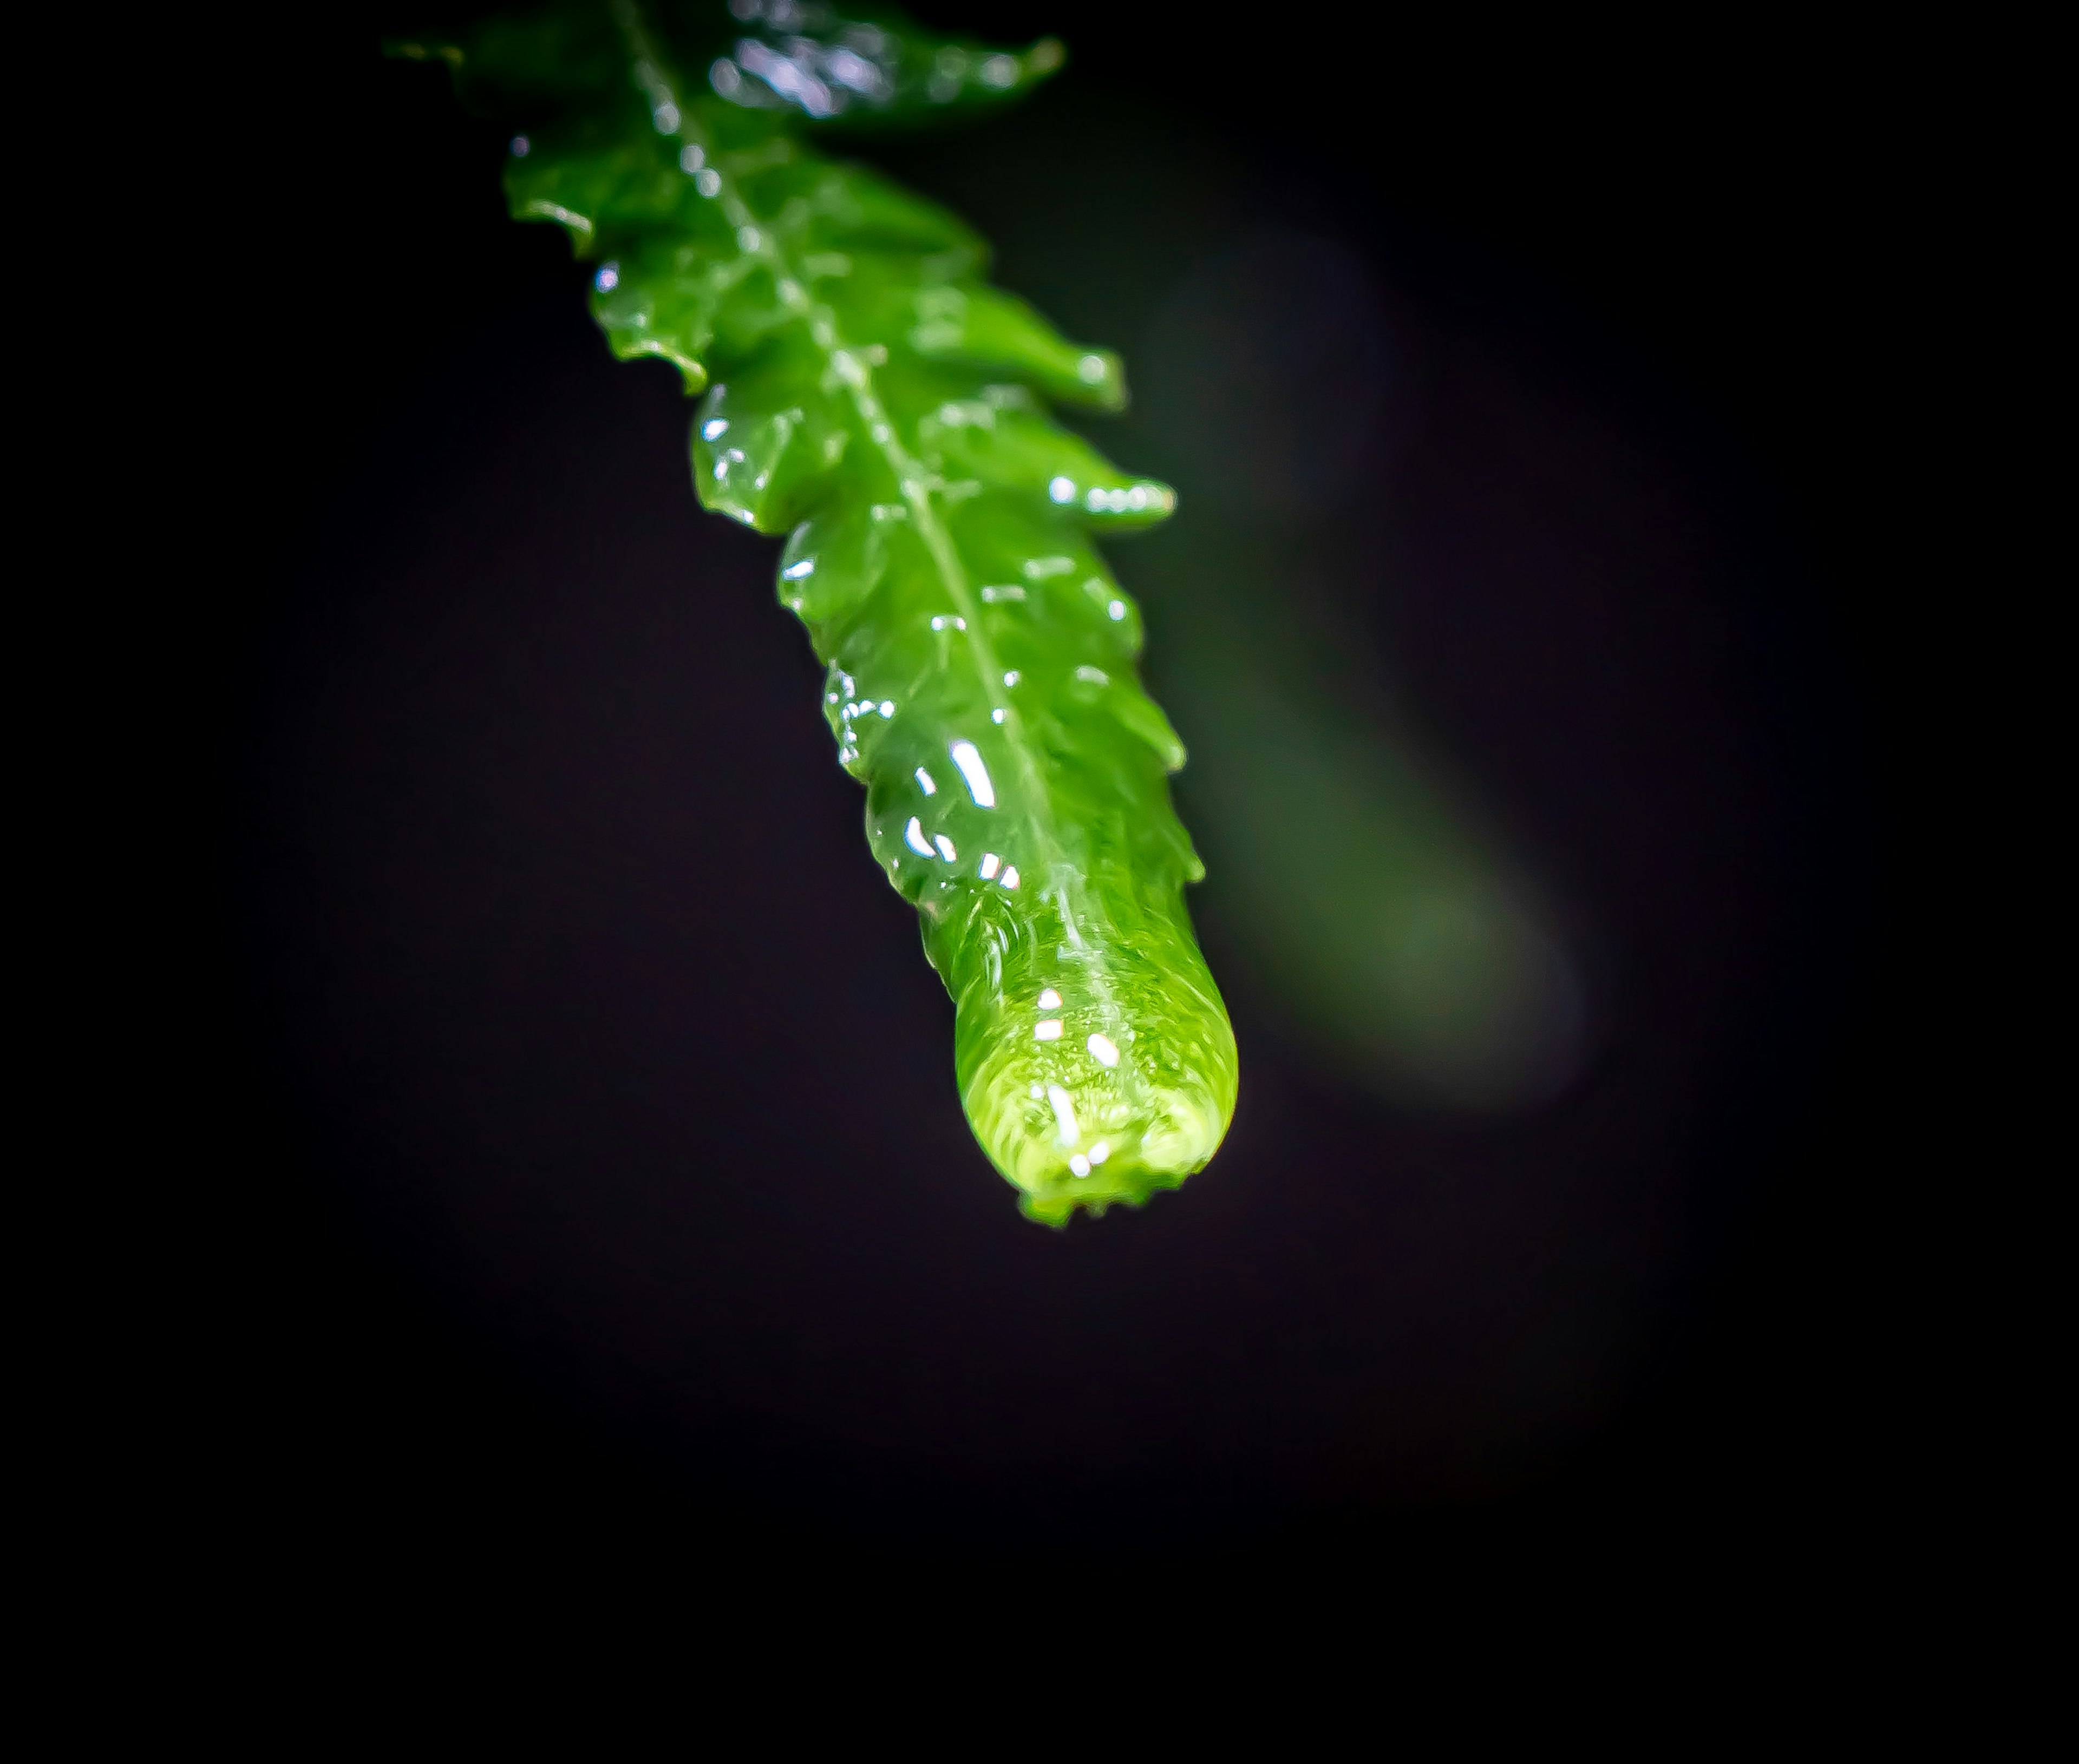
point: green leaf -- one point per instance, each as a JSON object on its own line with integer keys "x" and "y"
{"x": 870, "y": 395}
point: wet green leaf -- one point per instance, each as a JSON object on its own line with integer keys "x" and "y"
{"x": 867, "y": 394}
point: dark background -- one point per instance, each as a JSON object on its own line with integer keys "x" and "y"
{"x": 541, "y": 1208}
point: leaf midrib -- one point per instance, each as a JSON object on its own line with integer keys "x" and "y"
{"x": 849, "y": 367}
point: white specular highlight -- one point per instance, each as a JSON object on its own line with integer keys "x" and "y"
{"x": 1064, "y": 1115}
{"x": 968, "y": 759}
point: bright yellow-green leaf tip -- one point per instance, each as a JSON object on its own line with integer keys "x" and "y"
{"x": 1093, "y": 1056}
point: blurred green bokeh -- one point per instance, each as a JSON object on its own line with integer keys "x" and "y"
{"x": 1375, "y": 902}
{"x": 1397, "y": 939}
